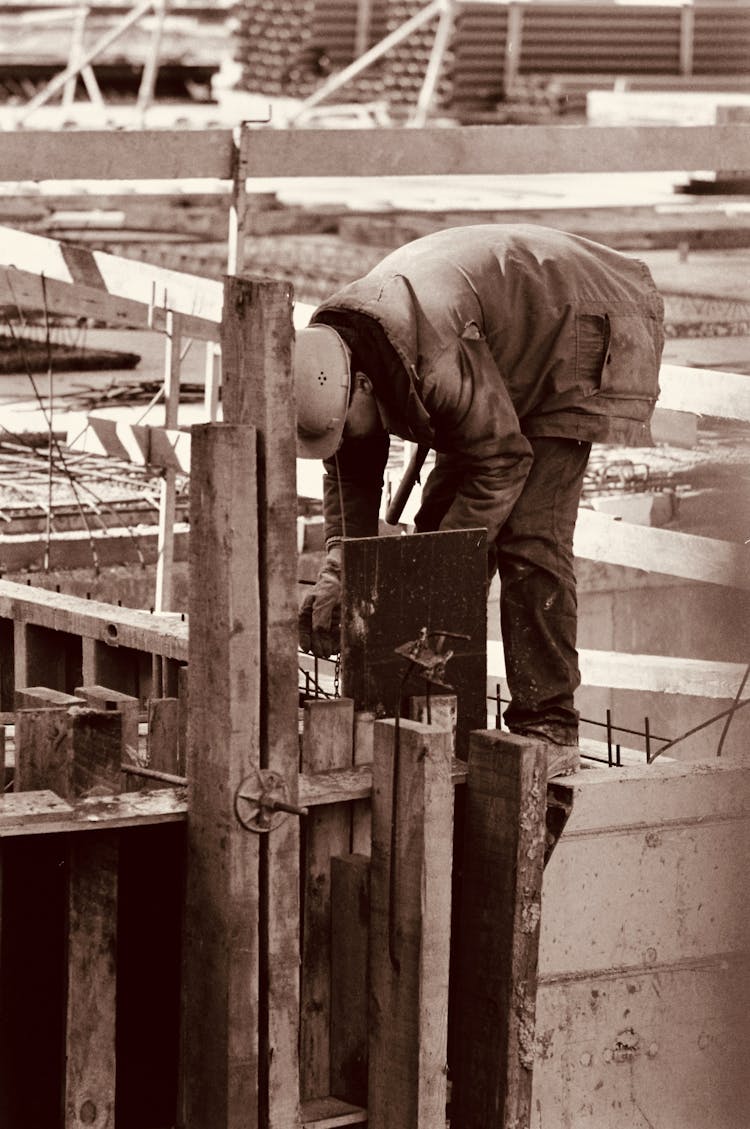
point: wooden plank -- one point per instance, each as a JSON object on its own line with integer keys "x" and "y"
{"x": 107, "y": 623}
{"x": 660, "y": 674}
{"x": 103, "y": 698}
{"x": 499, "y": 942}
{"x": 115, "y": 289}
{"x": 364, "y": 740}
{"x": 326, "y": 744}
{"x": 221, "y": 1014}
{"x": 30, "y": 697}
{"x": 393, "y": 588}
{"x": 707, "y": 392}
{"x": 71, "y": 549}
{"x": 163, "y": 596}
{"x": 410, "y": 925}
{"x": 493, "y": 150}
{"x": 350, "y": 935}
{"x": 163, "y": 740}
{"x": 43, "y": 812}
{"x": 138, "y": 443}
{"x": 258, "y": 388}
{"x": 330, "y": 1113}
{"x": 599, "y": 537}
{"x": 127, "y": 155}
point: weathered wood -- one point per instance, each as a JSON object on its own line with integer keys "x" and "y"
{"x": 499, "y": 942}
{"x": 364, "y": 740}
{"x": 350, "y": 927}
{"x": 330, "y": 1113}
{"x": 326, "y": 744}
{"x": 163, "y": 738}
{"x": 102, "y": 698}
{"x": 258, "y": 389}
{"x": 489, "y": 150}
{"x": 163, "y": 595}
{"x": 221, "y": 1013}
{"x": 74, "y": 615}
{"x": 661, "y": 674}
{"x": 409, "y": 925}
{"x": 42, "y": 812}
{"x": 393, "y": 588}
{"x": 77, "y": 752}
{"x": 117, "y": 290}
{"x": 157, "y": 154}
{"x": 599, "y": 537}
{"x": 31, "y": 697}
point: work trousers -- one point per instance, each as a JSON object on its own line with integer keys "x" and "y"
{"x": 538, "y": 604}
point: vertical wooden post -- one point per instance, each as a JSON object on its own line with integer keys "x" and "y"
{"x": 687, "y": 38}
{"x": 410, "y": 925}
{"x": 258, "y": 388}
{"x": 221, "y": 1014}
{"x": 326, "y": 744}
{"x": 499, "y": 944}
{"x": 164, "y": 734}
{"x": 78, "y": 752}
{"x": 102, "y": 698}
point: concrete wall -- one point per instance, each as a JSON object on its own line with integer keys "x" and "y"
{"x": 644, "y": 997}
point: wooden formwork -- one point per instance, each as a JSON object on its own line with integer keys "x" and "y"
{"x": 315, "y": 985}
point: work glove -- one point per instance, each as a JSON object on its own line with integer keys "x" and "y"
{"x": 320, "y": 614}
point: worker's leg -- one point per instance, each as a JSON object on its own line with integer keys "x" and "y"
{"x": 538, "y": 607}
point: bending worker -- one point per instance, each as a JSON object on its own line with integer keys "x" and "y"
{"x": 508, "y": 350}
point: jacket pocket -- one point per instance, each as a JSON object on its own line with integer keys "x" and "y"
{"x": 592, "y": 350}
{"x": 618, "y": 354}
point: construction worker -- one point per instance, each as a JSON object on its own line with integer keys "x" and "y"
{"x": 508, "y": 349}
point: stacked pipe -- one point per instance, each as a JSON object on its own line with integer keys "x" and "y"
{"x": 276, "y": 48}
{"x": 289, "y": 47}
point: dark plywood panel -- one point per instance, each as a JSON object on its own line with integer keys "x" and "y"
{"x": 393, "y": 588}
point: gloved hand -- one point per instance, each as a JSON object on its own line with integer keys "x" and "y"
{"x": 320, "y": 614}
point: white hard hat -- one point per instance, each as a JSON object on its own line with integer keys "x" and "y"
{"x": 322, "y": 375}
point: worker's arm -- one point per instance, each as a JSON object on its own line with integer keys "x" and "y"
{"x": 352, "y": 487}
{"x": 484, "y": 458}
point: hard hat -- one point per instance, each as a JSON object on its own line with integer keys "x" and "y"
{"x": 322, "y": 375}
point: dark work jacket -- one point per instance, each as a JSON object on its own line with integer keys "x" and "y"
{"x": 476, "y": 338}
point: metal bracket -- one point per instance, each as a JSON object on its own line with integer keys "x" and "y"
{"x": 261, "y": 802}
{"x": 430, "y": 658}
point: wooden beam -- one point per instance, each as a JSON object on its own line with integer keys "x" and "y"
{"x": 258, "y": 389}
{"x": 221, "y": 1012}
{"x": 108, "y": 287}
{"x": 158, "y": 154}
{"x": 705, "y": 392}
{"x": 599, "y": 537}
{"x": 499, "y": 944}
{"x": 495, "y": 150}
{"x": 92, "y": 619}
{"x": 43, "y": 812}
{"x": 660, "y": 674}
{"x": 164, "y": 448}
{"x": 73, "y": 548}
{"x": 410, "y": 916}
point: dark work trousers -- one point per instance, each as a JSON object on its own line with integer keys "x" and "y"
{"x": 538, "y": 605}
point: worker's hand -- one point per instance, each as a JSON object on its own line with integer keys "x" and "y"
{"x": 320, "y": 615}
